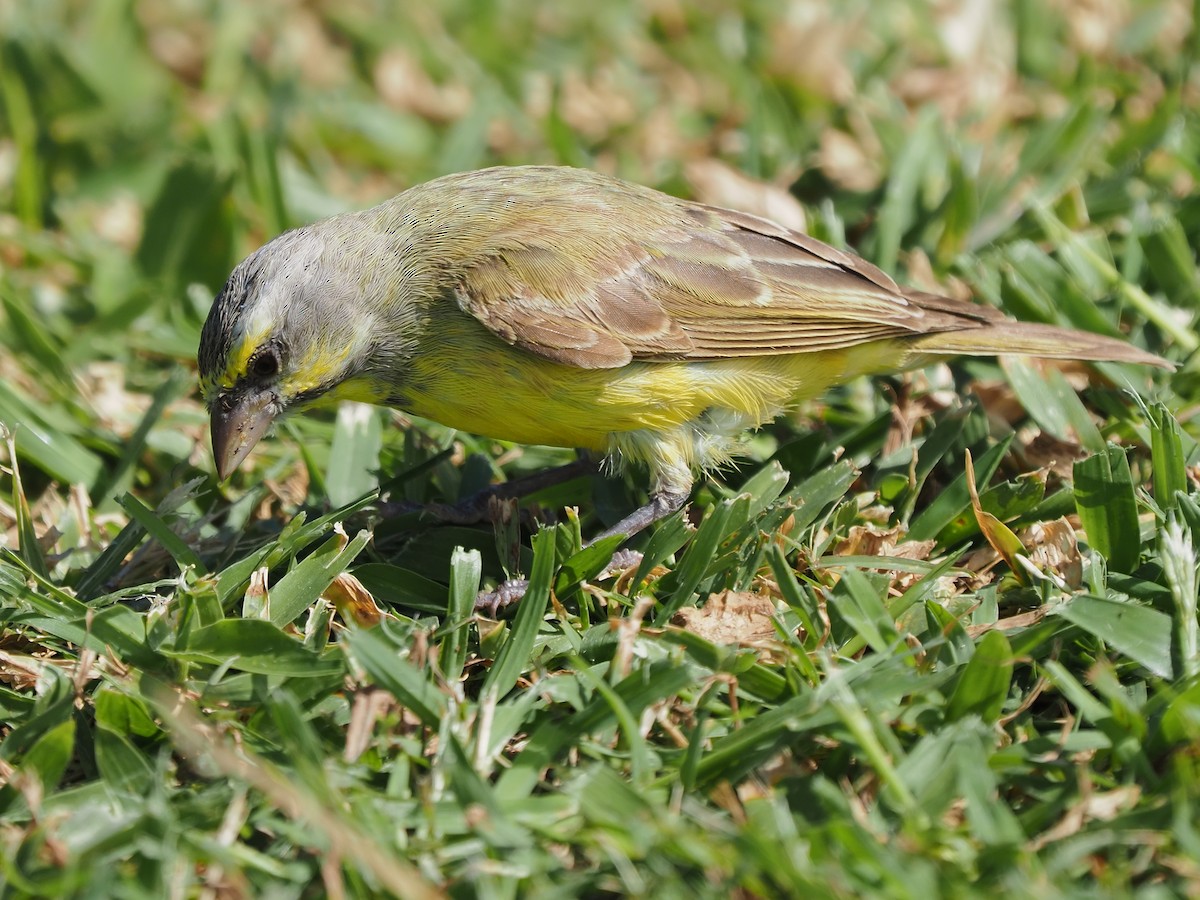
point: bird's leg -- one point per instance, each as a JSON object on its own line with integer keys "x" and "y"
{"x": 475, "y": 508}
{"x": 663, "y": 502}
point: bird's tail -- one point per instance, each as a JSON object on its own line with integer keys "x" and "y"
{"x": 1030, "y": 339}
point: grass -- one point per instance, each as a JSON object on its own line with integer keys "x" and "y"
{"x": 867, "y": 670}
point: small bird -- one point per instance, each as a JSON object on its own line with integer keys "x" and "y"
{"x": 560, "y": 306}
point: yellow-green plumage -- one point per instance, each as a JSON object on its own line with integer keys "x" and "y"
{"x": 559, "y": 306}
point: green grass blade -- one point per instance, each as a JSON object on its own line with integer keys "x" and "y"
{"x": 466, "y": 570}
{"x": 386, "y": 667}
{"x": 513, "y": 658}
{"x": 354, "y": 453}
{"x": 1107, "y": 507}
{"x": 1167, "y": 457}
{"x": 300, "y": 588}
{"x": 184, "y": 555}
{"x": 955, "y": 499}
{"x": 1141, "y": 633}
{"x": 983, "y": 684}
{"x": 115, "y": 477}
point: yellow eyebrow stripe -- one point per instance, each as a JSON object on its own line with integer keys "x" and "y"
{"x": 239, "y": 361}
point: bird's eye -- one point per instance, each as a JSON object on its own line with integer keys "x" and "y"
{"x": 265, "y": 363}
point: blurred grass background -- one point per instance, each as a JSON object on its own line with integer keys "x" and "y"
{"x": 1042, "y": 156}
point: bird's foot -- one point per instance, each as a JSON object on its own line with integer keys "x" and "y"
{"x": 622, "y": 561}
{"x": 509, "y": 593}
{"x": 501, "y": 597}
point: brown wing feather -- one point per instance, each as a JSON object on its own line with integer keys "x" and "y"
{"x": 776, "y": 235}
{"x": 662, "y": 279}
{"x": 548, "y": 310}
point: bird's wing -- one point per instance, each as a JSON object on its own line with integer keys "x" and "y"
{"x": 705, "y": 283}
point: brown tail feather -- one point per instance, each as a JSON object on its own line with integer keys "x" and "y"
{"x": 1029, "y": 339}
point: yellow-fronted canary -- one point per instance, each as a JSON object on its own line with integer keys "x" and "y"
{"x": 559, "y": 306}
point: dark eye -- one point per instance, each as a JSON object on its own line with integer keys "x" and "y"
{"x": 264, "y": 363}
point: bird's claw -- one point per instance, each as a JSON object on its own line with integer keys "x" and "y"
{"x": 622, "y": 560}
{"x": 513, "y": 590}
{"x": 502, "y": 596}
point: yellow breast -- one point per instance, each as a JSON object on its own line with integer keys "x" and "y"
{"x": 465, "y": 377}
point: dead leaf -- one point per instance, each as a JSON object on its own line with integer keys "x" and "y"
{"x": 1010, "y": 623}
{"x": 910, "y": 410}
{"x": 21, "y": 671}
{"x": 869, "y": 540}
{"x": 1102, "y": 807}
{"x": 845, "y": 162}
{"x": 293, "y": 488}
{"x": 1095, "y": 26}
{"x": 1053, "y": 546}
{"x": 627, "y": 629}
{"x": 369, "y": 707}
{"x": 731, "y": 617}
{"x": 1001, "y": 403}
{"x": 921, "y": 275}
{"x": 718, "y": 184}
{"x": 811, "y": 46}
{"x": 997, "y": 534}
{"x": 866, "y": 540}
{"x": 1045, "y": 451}
{"x": 257, "y": 602}
{"x": 596, "y": 104}
{"x": 353, "y": 601}
{"x": 403, "y": 84}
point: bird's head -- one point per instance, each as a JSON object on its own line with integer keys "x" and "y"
{"x": 292, "y": 327}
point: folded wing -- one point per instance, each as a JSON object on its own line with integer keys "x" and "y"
{"x": 685, "y": 281}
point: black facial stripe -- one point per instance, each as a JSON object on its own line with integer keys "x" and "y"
{"x": 311, "y": 393}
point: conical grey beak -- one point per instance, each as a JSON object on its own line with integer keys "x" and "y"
{"x": 237, "y": 422}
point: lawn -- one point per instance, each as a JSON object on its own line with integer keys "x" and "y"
{"x": 935, "y": 634}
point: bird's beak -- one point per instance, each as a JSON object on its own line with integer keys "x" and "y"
{"x": 237, "y": 422}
